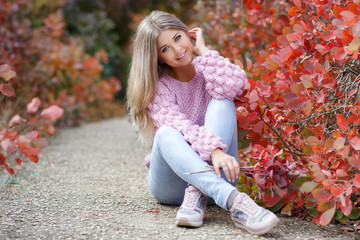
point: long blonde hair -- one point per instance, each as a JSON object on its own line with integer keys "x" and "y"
{"x": 146, "y": 69}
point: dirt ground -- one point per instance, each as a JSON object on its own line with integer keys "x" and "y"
{"x": 91, "y": 183}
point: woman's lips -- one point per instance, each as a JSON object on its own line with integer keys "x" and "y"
{"x": 182, "y": 56}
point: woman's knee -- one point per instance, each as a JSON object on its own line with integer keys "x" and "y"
{"x": 222, "y": 105}
{"x": 165, "y": 134}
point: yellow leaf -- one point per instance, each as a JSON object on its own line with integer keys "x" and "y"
{"x": 354, "y": 45}
{"x": 287, "y": 209}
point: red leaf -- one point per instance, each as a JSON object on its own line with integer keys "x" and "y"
{"x": 356, "y": 29}
{"x": 321, "y": 195}
{"x": 354, "y": 161}
{"x": 52, "y": 113}
{"x": 7, "y": 145}
{"x": 253, "y": 96}
{"x": 327, "y": 216}
{"x": 263, "y": 90}
{"x": 285, "y": 53}
{"x": 15, "y": 120}
{"x": 327, "y": 36}
{"x": 293, "y": 101}
{"x": 271, "y": 199}
{"x": 260, "y": 181}
{"x": 342, "y": 122}
{"x": 348, "y": 17}
{"x": 18, "y": 161}
{"x": 320, "y": 97}
{"x": 7, "y": 90}
{"x": 355, "y": 143}
{"x": 23, "y": 142}
{"x": 346, "y": 206}
{"x": 34, "y": 158}
{"x": 3, "y": 163}
{"x": 258, "y": 127}
{"x": 321, "y": 49}
{"x": 30, "y": 151}
{"x": 32, "y": 135}
{"x": 340, "y": 54}
{"x": 298, "y": 3}
{"x": 34, "y": 105}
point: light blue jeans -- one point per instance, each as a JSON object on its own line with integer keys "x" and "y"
{"x": 172, "y": 157}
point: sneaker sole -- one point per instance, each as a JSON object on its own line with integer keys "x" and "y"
{"x": 184, "y": 222}
{"x": 263, "y": 231}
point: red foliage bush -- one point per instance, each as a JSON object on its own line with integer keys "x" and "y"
{"x": 54, "y": 73}
{"x": 300, "y": 117}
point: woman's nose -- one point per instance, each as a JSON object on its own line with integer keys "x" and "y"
{"x": 178, "y": 49}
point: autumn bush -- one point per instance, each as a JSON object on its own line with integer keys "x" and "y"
{"x": 54, "y": 74}
{"x": 299, "y": 120}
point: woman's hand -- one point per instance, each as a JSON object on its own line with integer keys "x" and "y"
{"x": 200, "y": 48}
{"x": 228, "y": 164}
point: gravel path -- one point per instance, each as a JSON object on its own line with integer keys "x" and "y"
{"x": 91, "y": 183}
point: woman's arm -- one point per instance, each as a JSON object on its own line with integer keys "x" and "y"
{"x": 223, "y": 79}
{"x": 165, "y": 112}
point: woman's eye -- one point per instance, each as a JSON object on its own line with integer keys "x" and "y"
{"x": 177, "y": 37}
{"x": 164, "y": 49}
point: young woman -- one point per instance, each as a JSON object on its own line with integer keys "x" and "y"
{"x": 183, "y": 107}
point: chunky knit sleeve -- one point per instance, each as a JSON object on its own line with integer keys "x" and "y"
{"x": 223, "y": 79}
{"x": 165, "y": 112}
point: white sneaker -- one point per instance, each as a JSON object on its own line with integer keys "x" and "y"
{"x": 246, "y": 214}
{"x": 192, "y": 210}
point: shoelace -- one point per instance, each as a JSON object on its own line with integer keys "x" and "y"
{"x": 191, "y": 197}
{"x": 248, "y": 205}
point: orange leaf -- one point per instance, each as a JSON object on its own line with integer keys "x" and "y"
{"x": 342, "y": 122}
{"x": 335, "y": 191}
{"x": 321, "y": 195}
{"x": 292, "y": 11}
{"x": 356, "y": 180}
{"x": 248, "y": 64}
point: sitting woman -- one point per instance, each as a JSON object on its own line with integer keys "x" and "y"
{"x": 184, "y": 107}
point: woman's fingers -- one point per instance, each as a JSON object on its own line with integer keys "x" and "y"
{"x": 226, "y": 170}
{"x": 231, "y": 169}
{"x": 237, "y": 168}
{"x": 217, "y": 170}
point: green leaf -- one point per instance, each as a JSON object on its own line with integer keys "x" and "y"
{"x": 276, "y": 207}
{"x": 308, "y": 186}
{"x": 338, "y": 215}
{"x": 307, "y": 133}
{"x": 313, "y": 212}
{"x": 300, "y": 180}
{"x": 355, "y": 213}
{"x": 244, "y": 143}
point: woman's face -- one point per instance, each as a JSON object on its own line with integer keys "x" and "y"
{"x": 175, "y": 48}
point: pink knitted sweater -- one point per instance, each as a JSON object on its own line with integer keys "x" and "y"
{"x": 182, "y": 105}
